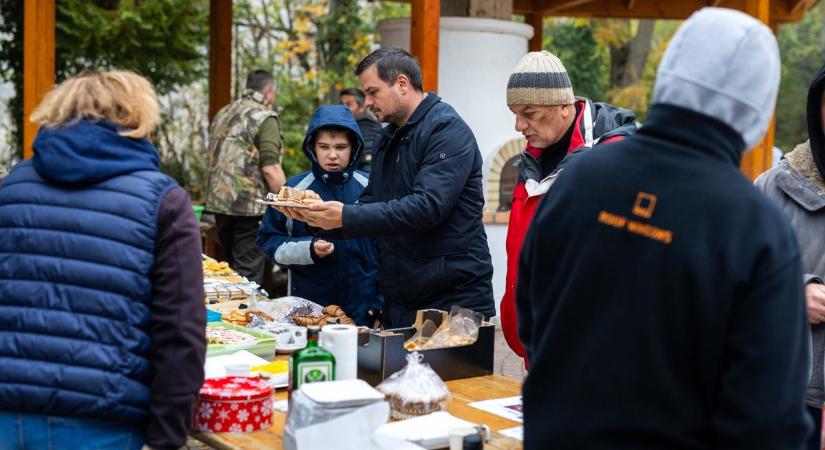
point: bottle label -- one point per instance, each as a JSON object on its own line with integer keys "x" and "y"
{"x": 312, "y": 372}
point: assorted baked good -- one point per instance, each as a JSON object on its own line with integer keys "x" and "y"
{"x": 415, "y": 390}
{"x": 224, "y": 293}
{"x": 242, "y": 317}
{"x": 216, "y": 268}
{"x": 299, "y": 197}
{"x": 217, "y": 335}
{"x": 330, "y": 314}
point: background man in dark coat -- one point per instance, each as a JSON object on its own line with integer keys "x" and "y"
{"x": 354, "y": 100}
{"x": 424, "y": 199}
{"x": 659, "y": 295}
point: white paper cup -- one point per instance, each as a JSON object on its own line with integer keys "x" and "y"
{"x": 238, "y": 370}
{"x": 457, "y": 437}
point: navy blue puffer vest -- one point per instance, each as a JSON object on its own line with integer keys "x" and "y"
{"x": 75, "y": 290}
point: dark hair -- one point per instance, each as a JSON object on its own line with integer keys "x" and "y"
{"x": 258, "y": 80}
{"x": 335, "y": 130}
{"x": 357, "y": 93}
{"x": 392, "y": 62}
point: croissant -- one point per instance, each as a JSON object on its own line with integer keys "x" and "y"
{"x": 305, "y": 321}
{"x": 334, "y": 310}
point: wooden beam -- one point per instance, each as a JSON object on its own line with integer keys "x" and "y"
{"x": 643, "y": 9}
{"x": 716, "y": 3}
{"x": 424, "y": 35}
{"x": 797, "y": 6}
{"x": 38, "y": 62}
{"x": 522, "y": 6}
{"x": 654, "y": 9}
{"x": 630, "y": 4}
{"x": 536, "y": 43}
{"x": 559, "y": 6}
{"x": 220, "y": 55}
{"x": 759, "y": 159}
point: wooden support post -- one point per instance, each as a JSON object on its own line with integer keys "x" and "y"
{"x": 759, "y": 159}
{"x": 424, "y": 35}
{"x": 220, "y": 54}
{"x": 536, "y": 20}
{"x": 38, "y": 62}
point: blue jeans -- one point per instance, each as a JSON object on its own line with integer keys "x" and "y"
{"x": 37, "y": 432}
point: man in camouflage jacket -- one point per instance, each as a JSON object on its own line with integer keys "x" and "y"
{"x": 244, "y": 165}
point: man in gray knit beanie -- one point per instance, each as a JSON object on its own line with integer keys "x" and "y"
{"x": 554, "y": 122}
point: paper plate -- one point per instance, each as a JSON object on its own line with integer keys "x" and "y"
{"x": 288, "y": 204}
{"x": 288, "y": 348}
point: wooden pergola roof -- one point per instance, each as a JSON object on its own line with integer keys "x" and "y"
{"x": 39, "y": 23}
{"x": 779, "y": 10}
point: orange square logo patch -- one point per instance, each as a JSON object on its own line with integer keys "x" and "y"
{"x": 644, "y": 205}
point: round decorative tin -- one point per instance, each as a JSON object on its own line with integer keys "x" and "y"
{"x": 234, "y": 404}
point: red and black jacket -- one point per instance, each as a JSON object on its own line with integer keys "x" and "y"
{"x": 595, "y": 123}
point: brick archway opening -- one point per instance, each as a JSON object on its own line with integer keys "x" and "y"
{"x": 501, "y": 180}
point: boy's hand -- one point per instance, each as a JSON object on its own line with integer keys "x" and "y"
{"x": 323, "y": 248}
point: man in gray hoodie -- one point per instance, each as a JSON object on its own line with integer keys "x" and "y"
{"x": 661, "y": 307}
{"x": 798, "y": 187}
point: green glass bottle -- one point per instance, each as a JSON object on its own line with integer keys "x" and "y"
{"x": 311, "y": 364}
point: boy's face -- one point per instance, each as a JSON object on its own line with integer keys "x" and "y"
{"x": 332, "y": 151}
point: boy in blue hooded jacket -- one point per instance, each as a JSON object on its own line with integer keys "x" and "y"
{"x": 328, "y": 272}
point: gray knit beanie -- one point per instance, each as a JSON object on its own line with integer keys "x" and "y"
{"x": 539, "y": 79}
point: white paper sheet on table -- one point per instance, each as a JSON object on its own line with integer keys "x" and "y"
{"x": 509, "y": 407}
{"x": 430, "y": 431}
{"x": 352, "y": 431}
{"x": 515, "y": 433}
{"x": 214, "y": 366}
{"x": 281, "y": 405}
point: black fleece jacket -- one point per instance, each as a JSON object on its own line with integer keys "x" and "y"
{"x": 178, "y": 323}
{"x": 659, "y": 300}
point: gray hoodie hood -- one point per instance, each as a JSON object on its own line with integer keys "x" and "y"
{"x": 724, "y": 64}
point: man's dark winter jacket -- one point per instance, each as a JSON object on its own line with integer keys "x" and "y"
{"x": 424, "y": 200}
{"x": 101, "y": 289}
{"x": 659, "y": 296}
{"x": 662, "y": 306}
{"x": 369, "y": 127}
{"x": 348, "y": 277}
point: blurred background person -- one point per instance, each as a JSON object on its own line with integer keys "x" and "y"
{"x": 353, "y": 99}
{"x": 244, "y": 164}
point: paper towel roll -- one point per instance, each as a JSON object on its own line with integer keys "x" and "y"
{"x": 342, "y": 342}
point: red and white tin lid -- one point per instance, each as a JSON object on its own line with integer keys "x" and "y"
{"x": 235, "y": 389}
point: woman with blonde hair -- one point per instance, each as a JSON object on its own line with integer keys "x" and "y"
{"x": 101, "y": 293}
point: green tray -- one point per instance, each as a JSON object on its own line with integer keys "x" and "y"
{"x": 264, "y": 346}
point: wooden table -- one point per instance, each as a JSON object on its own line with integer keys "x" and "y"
{"x": 463, "y": 393}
